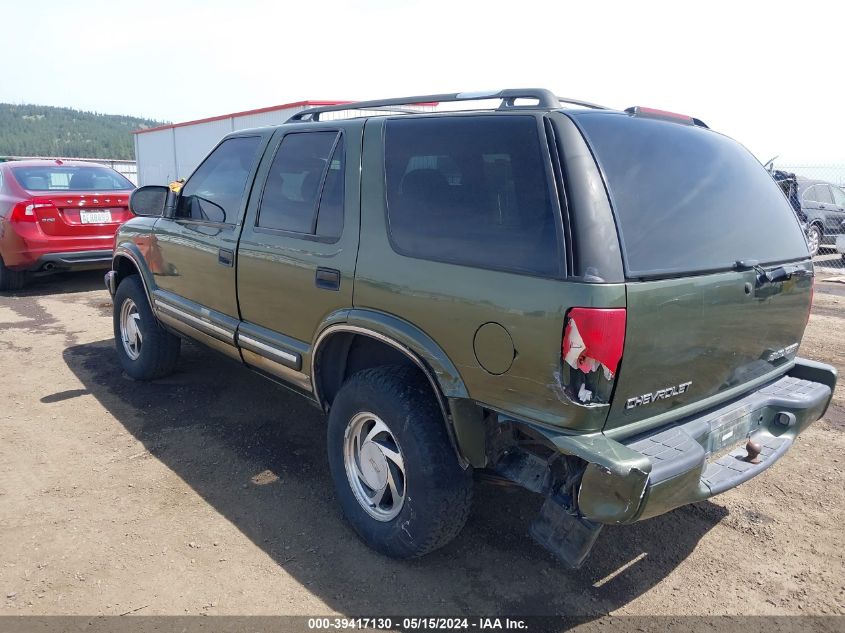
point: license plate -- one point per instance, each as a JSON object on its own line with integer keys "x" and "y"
{"x": 730, "y": 428}
{"x": 94, "y": 217}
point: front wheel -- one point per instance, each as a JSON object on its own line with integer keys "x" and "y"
{"x": 145, "y": 349}
{"x": 394, "y": 469}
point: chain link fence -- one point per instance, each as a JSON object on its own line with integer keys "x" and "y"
{"x": 817, "y": 193}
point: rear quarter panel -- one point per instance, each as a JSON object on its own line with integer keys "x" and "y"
{"x": 449, "y": 303}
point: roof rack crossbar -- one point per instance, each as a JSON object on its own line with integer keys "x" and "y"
{"x": 544, "y": 98}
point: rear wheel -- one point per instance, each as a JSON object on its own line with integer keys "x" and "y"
{"x": 11, "y": 279}
{"x": 145, "y": 349}
{"x": 396, "y": 474}
{"x": 814, "y": 239}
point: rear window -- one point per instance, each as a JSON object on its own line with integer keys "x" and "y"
{"x": 473, "y": 191}
{"x": 304, "y": 188}
{"x": 68, "y": 178}
{"x": 687, "y": 199}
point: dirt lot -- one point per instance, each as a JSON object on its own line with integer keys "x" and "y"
{"x": 209, "y": 493}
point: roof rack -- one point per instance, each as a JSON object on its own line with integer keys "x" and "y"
{"x": 545, "y": 99}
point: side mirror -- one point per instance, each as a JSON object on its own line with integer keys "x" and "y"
{"x": 149, "y": 200}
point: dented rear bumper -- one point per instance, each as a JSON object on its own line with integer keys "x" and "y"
{"x": 691, "y": 459}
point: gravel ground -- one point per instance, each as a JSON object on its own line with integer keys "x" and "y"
{"x": 209, "y": 493}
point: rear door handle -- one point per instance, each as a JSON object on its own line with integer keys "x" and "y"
{"x": 327, "y": 279}
{"x": 225, "y": 257}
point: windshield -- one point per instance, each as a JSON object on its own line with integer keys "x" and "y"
{"x": 687, "y": 199}
{"x": 70, "y": 178}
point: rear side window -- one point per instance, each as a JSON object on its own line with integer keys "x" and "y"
{"x": 215, "y": 190}
{"x": 838, "y": 196}
{"x": 822, "y": 194}
{"x": 818, "y": 193}
{"x": 687, "y": 199}
{"x": 471, "y": 190}
{"x": 304, "y": 188}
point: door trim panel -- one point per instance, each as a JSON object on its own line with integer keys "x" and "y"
{"x": 195, "y": 322}
{"x": 173, "y": 308}
{"x": 273, "y": 346}
{"x": 294, "y": 361}
{"x": 283, "y": 372}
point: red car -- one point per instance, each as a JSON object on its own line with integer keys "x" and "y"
{"x": 58, "y": 215}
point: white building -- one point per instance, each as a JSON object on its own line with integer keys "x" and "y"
{"x": 169, "y": 152}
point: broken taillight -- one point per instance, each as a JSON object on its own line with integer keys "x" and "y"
{"x": 593, "y": 340}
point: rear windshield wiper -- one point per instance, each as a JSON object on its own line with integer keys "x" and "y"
{"x": 774, "y": 275}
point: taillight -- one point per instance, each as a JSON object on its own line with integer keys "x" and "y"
{"x": 664, "y": 115}
{"x": 25, "y": 211}
{"x": 654, "y": 113}
{"x": 593, "y": 340}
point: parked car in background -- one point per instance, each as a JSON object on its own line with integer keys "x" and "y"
{"x": 840, "y": 243}
{"x": 545, "y": 293}
{"x": 788, "y": 183}
{"x": 823, "y": 210}
{"x": 58, "y": 215}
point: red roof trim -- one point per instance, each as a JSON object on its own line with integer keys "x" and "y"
{"x": 284, "y": 106}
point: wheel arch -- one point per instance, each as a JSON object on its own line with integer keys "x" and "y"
{"x": 406, "y": 343}
{"x": 128, "y": 260}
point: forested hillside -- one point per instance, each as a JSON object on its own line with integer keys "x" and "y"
{"x": 33, "y": 130}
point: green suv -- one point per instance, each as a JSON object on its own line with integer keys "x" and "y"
{"x": 602, "y": 307}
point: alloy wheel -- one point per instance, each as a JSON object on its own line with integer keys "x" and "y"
{"x": 130, "y": 331}
{"x": 374, "y": 466}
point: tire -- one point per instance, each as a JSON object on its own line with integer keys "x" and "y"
{"x": 155, "y": 350}
{"x": 11, "y": 279}
{"x": 814, "y": 239}
{"x": 435, "y": 492}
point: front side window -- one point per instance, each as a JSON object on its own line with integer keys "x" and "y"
{"x": 215, "y": 191}
{"x": 471, "y": 190}
{"x": 809, "y": 194}
{"x": 304, "y": 188}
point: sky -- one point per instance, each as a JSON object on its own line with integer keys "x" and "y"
{"x": 764, "y": 73}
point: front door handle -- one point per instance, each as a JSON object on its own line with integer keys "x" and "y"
{"x": 327, "y": 279}
{"x": 226, "y": 257}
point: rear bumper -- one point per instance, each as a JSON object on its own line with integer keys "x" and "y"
{"x": 647, "y": 475}
{"x": 840, "y": 244}
{"x": 73, "y": 260}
